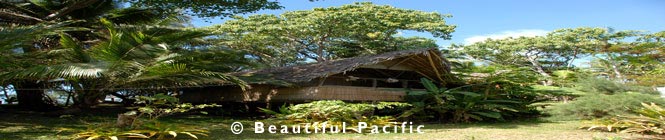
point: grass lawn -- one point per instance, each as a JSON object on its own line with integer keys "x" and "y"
{"x": 532, "y": 129}
{"x": 31, "y": 126}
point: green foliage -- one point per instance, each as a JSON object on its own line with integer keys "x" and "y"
{"x": 101, "y": 47}
{"x": 568, "y": 78}
{"x": 159, "y": 130}
{"x": 594, "y": 106}
{"x": 128, "y": 58}
{"x": 323, "y": 34}
{"x": 541, "y": 53}
{"x": 462, "y": 104}
{"x": 650, "y": 119}
{"x": 615, "y": 56}
{"x": 334, "y": 112}
{"x": 522, "y": 76}
{"x": 554, "y": 93}
{"x": 144, "y": 122}
{"x": 153, "y": 130}
{"x": 160, "y": 105}
{"x": 208, "y": 8}
{"x": 106, "y": 134}
{"x": 599, "y": 85}
{"x": 605, "y": 86}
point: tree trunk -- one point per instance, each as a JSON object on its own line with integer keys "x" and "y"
{"x": 320, "y": 51}
{"x": 7, "y": 99}
{"x": 615, "y": 67}
{"x": 539, "y": 68}
{"x": 617, "y": 73}
{"x": 88, "y": 100}
{"x": 82, "y": 101}
{"x": 84, "y": 96}
{"x": 31, "y": 96}
{"x": 570, "y": 63}
{"x": 319, "y": 54}
{"x": 70, "y": 8}
{"x": 69, "y": 97}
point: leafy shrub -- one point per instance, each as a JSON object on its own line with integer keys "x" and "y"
{"x": 503, "y": 74}
{"x": 558, "y": 93}
{"x": 650, "y": 120}
{"x": 602, "y": 106}
{"x": 492, "y": 93}
{"x": 144, "y": 122}
{"x": 565, "y": 77}
{"x": 334, "y": 112}
{"x": 605, "y": 86}
{"x": 599, "y": 85}
{"x": 497, "y": 100}
{"x": 150, "y": 130}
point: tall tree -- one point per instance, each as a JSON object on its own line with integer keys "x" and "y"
{"x": 323, "y": 34}
{"x": 642, "y": 61}
{"x": 540, "y": 53}
{"x": 86, "y": 13}
{"x": 603, "y": 44}
{"x": 128, "y": 59}
{"x": 207, "y": 8}
{"x": 38, "y": 11}
{"x": 617, "y": 52}
{"x": 19, "y": 52}
{"x": 83, "y": 16}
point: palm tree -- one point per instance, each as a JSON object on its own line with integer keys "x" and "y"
{"x": 129, "y": 59}
{"x": 13, "y": 43}
{"x": 80, "y": 17}
{"x": 144, "y": 49}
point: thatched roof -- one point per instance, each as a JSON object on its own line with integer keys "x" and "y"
{"x": 427, "y": 62}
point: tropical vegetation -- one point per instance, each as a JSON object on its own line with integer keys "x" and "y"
{"x": 63, "y": 58}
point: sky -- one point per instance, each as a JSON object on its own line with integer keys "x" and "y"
{"x": 477, "y": 20}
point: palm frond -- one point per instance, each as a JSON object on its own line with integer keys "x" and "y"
{"x": 12, "y": 37}
{"x": 41, "y": 72}
{"x": 133, "y": 15}
{"x": 178, "y": 75}
{"x": 76, "y": 51}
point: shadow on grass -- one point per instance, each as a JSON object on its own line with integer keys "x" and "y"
{"x": 24, "y": 126}
{"x": 17, "y": 124}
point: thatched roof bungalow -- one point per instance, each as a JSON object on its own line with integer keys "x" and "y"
{"x": 382, "y": 77}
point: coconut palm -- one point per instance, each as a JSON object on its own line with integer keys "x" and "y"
{"x": 25, "y": 26}
{"x": 128, "y": 59}
{"x": 18, "y": 48}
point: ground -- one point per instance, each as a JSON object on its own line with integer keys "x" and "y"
{"x": 25, "y": 125}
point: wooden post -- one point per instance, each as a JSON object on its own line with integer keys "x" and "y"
{"x": 374, "y": 83}
{"x": 405, "y": 84}
{"x": 322, "y": 80}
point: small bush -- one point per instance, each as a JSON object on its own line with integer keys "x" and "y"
{"x": 602, "y": 106}
{"x": 333, "y": 112}
{"x": 143, "y": 123}
{"x": 650, "y": 120}
{"x": 495, "y": 100}
{"x": 604, "y": 86}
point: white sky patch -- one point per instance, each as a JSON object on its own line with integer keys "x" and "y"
{"x": 399, "y": 33}
{"x": 506, "y": 34}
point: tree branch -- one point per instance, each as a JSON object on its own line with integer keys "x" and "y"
{"x": 70, "y": 8}
{"x": 19, "y": 18}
